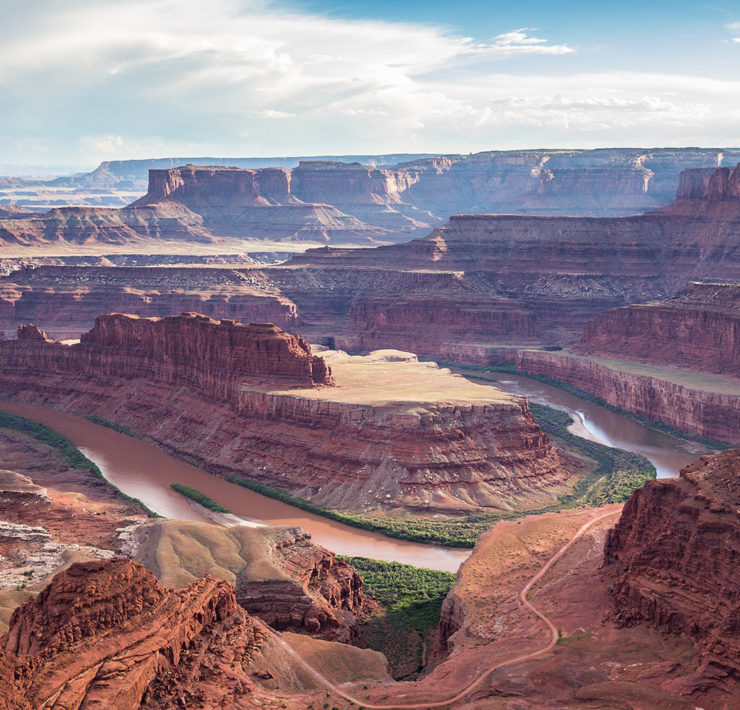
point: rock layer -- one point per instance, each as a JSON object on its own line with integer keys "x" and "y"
{"x": 196, "y": 389}
{"x": 699, "y": 330}
{"x": 68, "y": 299}
{"x": 676, "y": 549}
{"x": 690, "y": 409}
{"x": 108, "y": 632}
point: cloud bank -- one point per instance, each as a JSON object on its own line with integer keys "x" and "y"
{"x": 85, "y": 80}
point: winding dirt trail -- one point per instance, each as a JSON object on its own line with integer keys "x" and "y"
{"x": 522, "y": 596}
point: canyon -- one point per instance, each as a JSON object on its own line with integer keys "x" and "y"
{"x": 694, "y": 403}
{"x": 344, "y": 201}
{"x": 249, "y": 400}
{"x": 467, "y": 292}
{"x": 638, "y": 311}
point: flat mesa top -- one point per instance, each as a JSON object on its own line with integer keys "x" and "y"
{"x": 386, "y": 377}
{"x": 702, "y": 381}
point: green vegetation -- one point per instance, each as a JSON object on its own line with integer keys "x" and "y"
{"x": 578, "y": 392}
{"x": 615, "y": 474}
{"x": 120, "y": 428}
{"x": 411, "y": 599}
{"x": 70, "y": 453}
{"x": 199, "y": 497}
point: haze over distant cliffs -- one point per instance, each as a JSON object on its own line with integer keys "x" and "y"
{"x": 377, "y": 200}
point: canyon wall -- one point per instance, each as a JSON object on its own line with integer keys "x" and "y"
{"x": 343, "y": 201}
{"x": 693, "y": 410}
{"x": 192, "y": 386}
{"x": 699, "y": 330}
{"x": 676, "y": 551}
{"x": 68, "y": 299}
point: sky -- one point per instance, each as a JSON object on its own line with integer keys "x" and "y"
{"x": 83, "y": 81}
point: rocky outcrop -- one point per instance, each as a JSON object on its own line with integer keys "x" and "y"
{"x": 197, "y": 350}
{"x": 699, "y": 330}
{"x": 722, "y": 185}
{"x": 278, "y": 574}
{"x": 676, "y": 551}
{"x": 702, "y": 412}
{"x": 346, "y": 201}
{"x": 104, "y": 633}
{"x": 67, "y": 299}
{"x": 244, "y": 399}
{"x": 213, "y": 357}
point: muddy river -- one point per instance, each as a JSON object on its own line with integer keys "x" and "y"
{"x": 592, "y": 421}
{"x": 145, "y": 472}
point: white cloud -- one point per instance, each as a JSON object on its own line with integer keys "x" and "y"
{"x": 127, "y": 78}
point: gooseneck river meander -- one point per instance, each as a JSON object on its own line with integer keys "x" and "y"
{"x": 144, "y": 471}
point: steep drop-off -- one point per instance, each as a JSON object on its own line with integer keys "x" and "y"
{"x": 245, "y": 399}
{"x": 699, "y": 330}
{"x": 676, "y": 550}
{"x": 695, "y": 406}
{"x": 68, "y": 299}
{"x": 109, "y": 632}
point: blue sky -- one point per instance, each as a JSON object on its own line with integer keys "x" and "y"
{"x": 88, "y": 80}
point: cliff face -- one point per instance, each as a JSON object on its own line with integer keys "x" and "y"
{"x": 189, "y": 349}
{"x": 68, "y": 299}
{"x": 699, "y": 330}
{"x": 196, "y": 350}
{"x": 104, "y": 633}
{"x": 676, "y": 550}
{"x": 257, "y": 203}
{"x": 243, "y": 399}
{"x": 709, "y": 414}
{"x": 349, "y": 202}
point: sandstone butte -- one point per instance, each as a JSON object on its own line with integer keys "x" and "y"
{"x": 367, "y": 433}
{"x": 468, "y": 292}
{"x": 676, "y": 551}
{"x": 339, "y": 201}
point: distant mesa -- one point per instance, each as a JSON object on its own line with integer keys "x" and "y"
{"x": 363, "y": 200}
